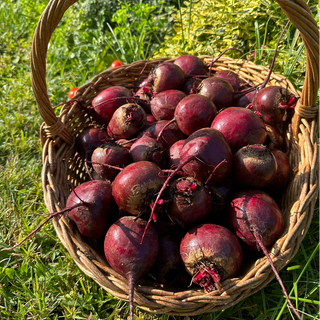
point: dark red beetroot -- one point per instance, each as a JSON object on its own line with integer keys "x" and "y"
{"x": 230, "y": 77}
{"x": 125, "y": 252}
{"x": 164, "y": 103}
{"x": 191, "y": 65}
{"x": 274, "y": 104}
{"x": 169, "y": 135}
{"x": 144, "y": 94}
{"x": 112, "y": 154}
{"x": 210, "y": 155}
{"x": 126, "y": 143}
{"x": 242, "y": 100}
{"x": 168, "y": 76}
{"x": 126, "y": 121}
{"x": 150, "y": 119}
{"x": 211, "y": 253}
{"x": 98, "y": 211}
{"x": 149, "y": 149}
{"x": 174, "y": 153}
{"x": 108, "y": 101}
{"x": 190, "y": 202}
{"x": 191, "y": 85}
{"x": 219, "y": 91}
{"x": 256, "y": 219}
{"x": 147, "y": 82}
{"x": 240, "y": 127}
{"x": 274, "y": 137}
{"x": 88, "y": 140}
{"x": 252, "y": 211}
{"x": 281, "y": 179}
{"x": 136, "y": 186}
{"x": 194, "y": 112}
{"x": 168, "y": 265}
{"x": 221, "y": 194}
{"x": 254, "y": 166}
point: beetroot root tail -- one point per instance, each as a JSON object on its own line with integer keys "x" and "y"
{"x": 52, "y": 215}
{"x": 265, "y": 251}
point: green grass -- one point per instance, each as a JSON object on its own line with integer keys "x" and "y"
{"x": 39, "y": 280}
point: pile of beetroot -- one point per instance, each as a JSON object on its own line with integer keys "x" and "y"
{"x": 184, "y": 169}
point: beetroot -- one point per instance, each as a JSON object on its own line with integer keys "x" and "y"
{"x": 211, "y": 253}
{"x": 164, "y": 104}
{"x": 190, "y": 202}
{"x": 98, "y": 211}
{"x": 136, "y": 186}
{"x": 256, "y": 219}
{"x": 168, "y": 76}
{"x": 191, "y": 65}
{"x": 112, "y": 154}
{"x": 149, "y": 149}
{"x": 147, "y": 82}
{"x": 281, "y": 179}
{"x": 194, "y": 112}
{"x": 88, "y": 140}
{"x": 174, "y": 152}
{"x": 125, "y": 252}
{"x": 254, "y": 166}
{"x": 254, "y": 210}
{"x": 240, "y": 127}
{"x": 230, "y": 77}
{"x": 168, "y": 265}
{"x": 108, "y": 101}
{"x": 144, "y": 95}
{"x": 150, "y": 119}
{"x": 242, "y": 100}
{"x": 274, "y": 104}
{"x": 126, "y": 121}
{"x": 210, "y": 155}
{"x": 219, "y": 91}
{"x": 274, "y": 137}
{"x": 169, "y": 133}
{"x": 191, "y": 85}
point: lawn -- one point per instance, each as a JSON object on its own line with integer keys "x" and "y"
{"x": 39, "y": 279}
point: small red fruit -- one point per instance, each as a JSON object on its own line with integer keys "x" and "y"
{"x": 115, "y": 64}
{"x": 72, "y": 92}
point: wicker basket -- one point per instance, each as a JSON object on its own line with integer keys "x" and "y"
{"x": 62, "y": 166}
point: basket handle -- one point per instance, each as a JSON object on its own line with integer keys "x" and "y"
{"x": 300, "y": 16}
{"x": 48, "y": 21}
{"x": 296, "y": 10}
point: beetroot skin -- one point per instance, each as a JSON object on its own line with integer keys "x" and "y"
{"x": 254, "y": 210}
{"x": 254, "y": 166}
{"x": 98, "y": 211}
{"x": 190, "y": 202}
{"x": 136, "y": 186}
{"x": 210, "y": 155}
{"x": 126, "y": 121}
{"x": 240, "y": 127}
{"x": 108, "y": 101}
{"x": 191, "y": 65}
{"x": 112, "y": 154}
{"x": 168, "y": 76}
{"x": 194, "y": 112}
{"x": 219, "y": 91}
{"x": 211, "y": 253}
{"x": 125, "y": 252}
{"x": 88, "y": 140}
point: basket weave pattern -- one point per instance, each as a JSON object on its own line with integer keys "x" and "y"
{"x": 62, "y": 166}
